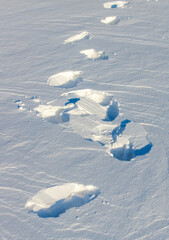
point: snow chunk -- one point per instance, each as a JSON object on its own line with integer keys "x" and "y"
{"x": 66, "y": 79}
{"x": 130, "y": 140}
{"x": 101, "y": 97}
{"x": 54, "y": 114}
{"x": 111, "y": 20}
{"x": 93, "y": 54}
{"x": 98, "y": 103}
{"x": 115, "y": 4}
{"x": 78, "y": 37}
{"x": 51, "y": 202}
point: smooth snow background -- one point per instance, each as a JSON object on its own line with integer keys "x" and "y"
{"x": 35, "y": 154}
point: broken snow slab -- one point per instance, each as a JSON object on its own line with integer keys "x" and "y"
{"x": 51, "y": 202}
{"x": 66, "y": 79}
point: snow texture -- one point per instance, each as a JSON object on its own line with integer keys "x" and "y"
{"x": 51, "y": 202}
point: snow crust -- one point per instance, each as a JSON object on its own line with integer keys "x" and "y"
{"x": 66, "y": 79}
{"x": 51, "y": 202}
{"x": 115, "y": 4}
{"x": 93, "y": 54}
{"x": 78, "y": 37}
{"x": 111, "y": 20}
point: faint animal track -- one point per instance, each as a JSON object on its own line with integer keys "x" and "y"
{"x": 20, "y": 104}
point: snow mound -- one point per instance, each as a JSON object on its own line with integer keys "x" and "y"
{"x": 78, "y": 37}
{"x": 102, "y": 97}
{"x": 115, "y": 4}
{"x": 51, "y": 202}
{"x": 130, "y": 140}
{"x": 97, "y": 103}
{"x": 93, "y": 54}
{"x": 66, "y": 79}
{"x": 53, "y": 114}
{"x": 111, "y": 20}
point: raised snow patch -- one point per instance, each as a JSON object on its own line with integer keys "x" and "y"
{"x": 78, "y": 37}
{"x": 111, "y": 20}
{"x": 54, "y": 114}
{"x": 130, "y": 141}
{"x": 93, "y": 54}
{"x": 66, "y": 79}
{"x": 115, "y": 4}
{"x": 97, "y": 103}
{"x": 51, "y": 202}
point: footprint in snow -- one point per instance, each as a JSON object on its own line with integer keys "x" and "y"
{"x": 20, "y": 105}
{"x": 90, "y": 114}
{"x": 111, "y": 20}
{"x": 51, "y": 202}
{"x": 78, "y": 37}
{"x": 87, "y": 102}
{"x": 93, "y": 54}
{"x": 68, "y": 79}
{"x": 129, "y": 141}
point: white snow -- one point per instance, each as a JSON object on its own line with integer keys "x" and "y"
{"x": 129, "y": 142}
{"x": 93, "y": 54}
{"x": 66, "y": 79}
{"x": 102, "y": 97}
{"x": 97, "y": 103}
{"x": 51, "y": 202}
{"x": 111, "y": 20}
{"x": 115, "y": 4}
{"x": 78, "y": 37}
{"x": 110, "y": 130}
{"x": 54, "y": 114}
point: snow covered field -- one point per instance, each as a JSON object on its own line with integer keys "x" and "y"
{"x": 84, "y": 120}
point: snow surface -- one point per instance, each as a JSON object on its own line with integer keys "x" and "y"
{"x": 111, "y": 130}
{"x": 51, "y": 202}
